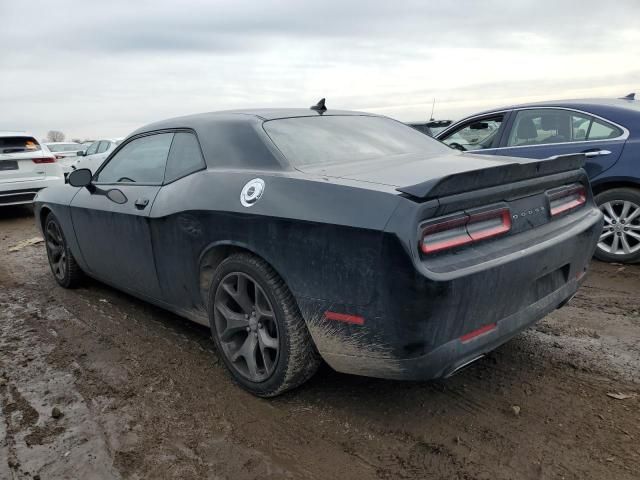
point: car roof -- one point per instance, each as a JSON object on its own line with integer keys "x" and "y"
{"x": 7, "y": 133}
{"x": 247, "y": 115}
{"x": 578, "y": 103}
{"x": 234, "y": 138}
{"x": 61, "y": 143}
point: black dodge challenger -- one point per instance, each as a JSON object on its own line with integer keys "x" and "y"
{"x": 300, "y": 235}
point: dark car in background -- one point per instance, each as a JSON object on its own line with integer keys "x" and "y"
{"x": 297, "y": 235}
{"x": 606, "y": 131}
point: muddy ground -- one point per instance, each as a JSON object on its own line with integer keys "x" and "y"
{"x": 141, "y": 393}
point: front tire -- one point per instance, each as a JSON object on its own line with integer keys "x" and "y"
{"x": 64, "y": 267}
{"x": 258, "y": 329}
{"x": 620, "y": 238}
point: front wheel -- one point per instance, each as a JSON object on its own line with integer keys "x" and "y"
{"x": 258, "y": 329}
{"x": 620, "y": 238}
{"x": 64, "y": 267}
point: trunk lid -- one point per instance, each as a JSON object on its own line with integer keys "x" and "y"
{"x": 425, "y": 178}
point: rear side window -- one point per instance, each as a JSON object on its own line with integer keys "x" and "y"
{"x": 546, "y": 126}
{"x": 580, "y": 125}
{"x": 185, "y": 157}
{"x": 540, "y": 127}
{"x": 603, "y": 131}
{"x": 18, "y": 144}
{"x": 142, "y": 160}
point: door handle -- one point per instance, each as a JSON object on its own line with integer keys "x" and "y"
{"x": 141, "y": 203}
{"x": 596, "y": 153}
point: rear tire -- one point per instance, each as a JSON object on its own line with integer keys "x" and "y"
{"x": 258, "y": 329}
{"x": 64, "y": 267}
{"x": 620, "y": 239}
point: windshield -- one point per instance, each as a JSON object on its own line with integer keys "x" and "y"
{"x": 64, "y": 147}
{"x": 310, "y": 141}
{"x": 18, "y": 144}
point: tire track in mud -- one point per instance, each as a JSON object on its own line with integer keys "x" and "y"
{"x": 38, "y": 443}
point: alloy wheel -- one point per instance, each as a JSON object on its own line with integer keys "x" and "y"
{"x": 56, "y": 250}
{"x": 246, "y": 326}
{"x": 621, "y": 231}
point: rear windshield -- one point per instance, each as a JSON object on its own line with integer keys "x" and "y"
{"x": 64, "y": 147}
{"x": 18, "y": 144}
{"x": 309, "y": 141}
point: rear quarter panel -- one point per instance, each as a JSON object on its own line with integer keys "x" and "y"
{"x": 323, "y": 239}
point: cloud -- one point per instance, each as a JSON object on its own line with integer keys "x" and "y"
{"x": 103, "y": 68}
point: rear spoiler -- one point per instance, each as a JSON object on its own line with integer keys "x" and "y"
{"x": 493, "y": 176}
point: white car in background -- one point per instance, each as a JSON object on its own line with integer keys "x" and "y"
{"x": 64, "y": 149}
{"x": 97, "y": 152}
{"x": 25, "y": 168}
{"x": 66, "y": 153}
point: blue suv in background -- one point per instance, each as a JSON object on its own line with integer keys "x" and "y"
{"x": 607, "y": 131}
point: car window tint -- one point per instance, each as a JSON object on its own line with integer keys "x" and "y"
{"x": 142, "y": 160}
{"x": 340, "y": 139}
{"x": 93, "y": 148}
{"x": 544, "y": 126}
{"x": 580, "y": 126}
{"x": 477, "y": 135}
{"x": 18, "y": 144}
{"x": 104, "y": 146}
{"x": 601, "y": 130}
{"x": 185, "y": 157}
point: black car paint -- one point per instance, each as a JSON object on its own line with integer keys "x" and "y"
{"x": 342, "y": 238}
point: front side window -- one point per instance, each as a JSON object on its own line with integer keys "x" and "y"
{"x": 185, "y": 157}
{"x": 477, "y": 135}
{"x": 142, "y": 160}
{"x": 340, "y": 139}
{"x": 104, "y": 146}
{"x": 93, "y": 148}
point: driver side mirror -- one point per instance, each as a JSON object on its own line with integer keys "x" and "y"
{"x": 80, "y": 178}
{"x": 81, "y": 153}
{"x": 479, "y": 126}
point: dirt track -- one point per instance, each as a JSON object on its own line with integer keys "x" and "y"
{"x": 143, "y": 395}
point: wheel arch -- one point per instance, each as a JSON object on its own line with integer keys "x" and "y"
{"x": 214, "y": 253}
{"x": 611, "y": 184}
{"x": 43, "y": 214}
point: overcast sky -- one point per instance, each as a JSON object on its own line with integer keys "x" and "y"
{"x": 101, "y": 69}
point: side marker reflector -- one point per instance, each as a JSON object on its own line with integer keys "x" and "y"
{"x": 476, "y": 333}
{"x": 343, "y": 317}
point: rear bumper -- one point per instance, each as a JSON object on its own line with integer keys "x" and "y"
{"x": 21, "y": 193}
{"x": 455, "y": 354}
{"x": 419, "y": 328}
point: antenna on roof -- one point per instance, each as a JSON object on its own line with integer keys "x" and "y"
{"x": 319, "y": 107}
{"x": 433, "y": 107}
{"x": 631, "y": 96}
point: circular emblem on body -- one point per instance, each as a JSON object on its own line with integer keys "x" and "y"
{"x": 252, "y": 192}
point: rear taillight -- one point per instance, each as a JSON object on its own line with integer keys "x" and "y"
{"x": 564, "y": 199}
{"x": 44, "y": 160}
{"x": 464, "y": 229}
